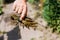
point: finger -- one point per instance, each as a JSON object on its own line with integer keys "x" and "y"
{"x": 20, "y": 10}
{"x": 23, "y": 13}
{"x": 14, "y": 5}
{"x": 17, "y": 8}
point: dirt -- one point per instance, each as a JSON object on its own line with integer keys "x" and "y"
{"x": 41, "y": 33}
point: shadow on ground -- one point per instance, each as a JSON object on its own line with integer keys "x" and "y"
{"x": 13, "y": 34}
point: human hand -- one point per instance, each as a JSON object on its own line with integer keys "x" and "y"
{"x": 20, "y": 7}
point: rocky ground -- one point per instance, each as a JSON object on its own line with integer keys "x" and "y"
{"x": 24, "y": 33}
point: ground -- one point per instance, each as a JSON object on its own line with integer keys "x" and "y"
{"x": 27, "y": 34}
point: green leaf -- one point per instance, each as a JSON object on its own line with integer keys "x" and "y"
{"x": 31, "y": 1}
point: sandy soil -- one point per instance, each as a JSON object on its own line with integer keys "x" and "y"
{"x": 28, "y": 34}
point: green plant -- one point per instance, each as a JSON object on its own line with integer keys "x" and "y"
{"x": 30, "y": 1}
{"x": 1, "y": 12}
{"x": 51, "y": 14}
{"x": 32, "y": 38}
{"x": 33, "y": 1}
{"x": 1, "y": 2}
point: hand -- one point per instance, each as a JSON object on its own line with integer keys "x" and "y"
{"x": 20, "y": 7}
